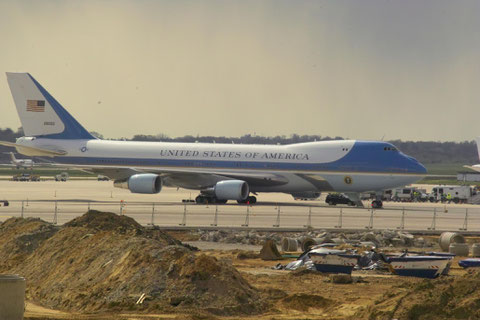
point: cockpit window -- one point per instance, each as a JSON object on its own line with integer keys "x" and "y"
{"x": 390, "y": 149}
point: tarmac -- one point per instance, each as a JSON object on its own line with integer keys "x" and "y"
{"x": 60, "y": 202}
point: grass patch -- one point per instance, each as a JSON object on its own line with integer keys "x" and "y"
{"x": 446, "y": 168}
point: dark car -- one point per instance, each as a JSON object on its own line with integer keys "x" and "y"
{"x": 338, "y": 198}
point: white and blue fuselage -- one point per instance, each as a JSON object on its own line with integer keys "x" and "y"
{"x": 341, "y": 165}
{"x": 224, "y": 171}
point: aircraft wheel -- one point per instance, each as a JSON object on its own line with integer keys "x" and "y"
{"x": 252, "y": 199}
{"x": 201, "y": 200}
{"x": 377, "y": 204}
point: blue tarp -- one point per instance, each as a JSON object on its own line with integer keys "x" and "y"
{"x": 469, "y": 263}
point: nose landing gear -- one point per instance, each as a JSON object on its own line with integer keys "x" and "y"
{"x": 377, "y": 204}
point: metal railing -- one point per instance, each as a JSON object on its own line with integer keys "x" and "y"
{"x": 257, "y": 216}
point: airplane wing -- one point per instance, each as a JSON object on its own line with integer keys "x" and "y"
{"x": 184, "y": 177}
{"x": 208, "y": 179}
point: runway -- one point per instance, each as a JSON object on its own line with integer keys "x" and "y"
{"x": 62, "y": 201}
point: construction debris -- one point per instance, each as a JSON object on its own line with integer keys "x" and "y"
{"x": 447, "y": 238}
{"x": 269, "y": 251}
{"x": 305, "y": 240}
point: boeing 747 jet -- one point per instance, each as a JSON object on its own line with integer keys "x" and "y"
{"x": 220, "y": 172}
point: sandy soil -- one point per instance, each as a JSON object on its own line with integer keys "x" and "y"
{"x": 228, "y": 280}
{"x": 291, "y": 295}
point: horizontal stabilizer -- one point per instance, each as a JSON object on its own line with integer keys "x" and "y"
{"x": 30, "y": 151}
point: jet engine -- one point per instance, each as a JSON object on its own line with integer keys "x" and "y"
{"x": 141, "y": 183}
{"x": 231, "y": 190}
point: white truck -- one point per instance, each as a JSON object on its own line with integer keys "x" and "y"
{"x": 403, "y": 194}
{"x": 407, "y": 194}
{"x": 457, "y": 194}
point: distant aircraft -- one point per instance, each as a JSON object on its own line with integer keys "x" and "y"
{"x": 20, "y": 163}
{"x": 476, "y": 167}
{"x": 220, "y": 172}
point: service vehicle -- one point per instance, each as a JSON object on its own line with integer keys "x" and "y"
{"x": 409, "y": 194}
{"x": 403, "y": 194}
{"x": 338, "y": 198}
{"x": 445, "y": 193}
{"x": 26, "y": 177}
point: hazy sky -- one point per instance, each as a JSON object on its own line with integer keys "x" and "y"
{"x": 361, "y": 69}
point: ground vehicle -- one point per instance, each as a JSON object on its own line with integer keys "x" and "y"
{"x": 26, "y": 177}
{"x": 403, "y": 194}
{"x": 409, "y": 194}
{"x": 445, "y": 193}
{"x": 338, "y": 198}
{"x": 102, "y": 178}
{"x": 5, "y": 203}
{"x": 62, "y": 177}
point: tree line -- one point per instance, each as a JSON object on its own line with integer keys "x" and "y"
{"x": 427, "y": 152}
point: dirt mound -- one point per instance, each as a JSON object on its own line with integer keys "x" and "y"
{"x": 105, "y": 221}
{"x": 444, "y": 298}
{"x": 20, "y": 237}
{"x": 242, "y": 254}
{"x": 196, "y": 316}
{"x": 105, "y": 262}
{"x": 303, "y": 302}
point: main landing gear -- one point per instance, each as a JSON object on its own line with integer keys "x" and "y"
{"x": 203, "y": 199}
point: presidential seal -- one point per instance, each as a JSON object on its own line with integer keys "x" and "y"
{"x": 348, "y": 180}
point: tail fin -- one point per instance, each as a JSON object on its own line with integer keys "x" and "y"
{"x": 41, "y": 115}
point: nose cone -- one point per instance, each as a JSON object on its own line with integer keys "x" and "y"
{"x": 413, "y": 166}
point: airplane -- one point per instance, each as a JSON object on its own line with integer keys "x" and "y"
{"x": 221, "y": 172}
{"x": 20, "y": 163}
{"x": 476, "y": 167}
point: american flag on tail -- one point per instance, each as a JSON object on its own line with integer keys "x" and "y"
{"x": 36, "y": 105}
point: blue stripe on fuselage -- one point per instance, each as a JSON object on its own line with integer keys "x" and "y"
{"x": 365, "y": 156}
